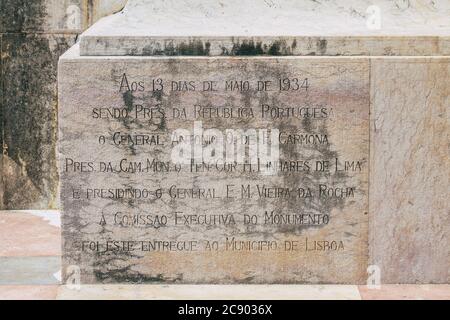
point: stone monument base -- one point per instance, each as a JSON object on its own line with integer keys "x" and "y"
{"x": 255, "y": 163}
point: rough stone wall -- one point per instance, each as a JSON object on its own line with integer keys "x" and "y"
{"x": 33, "y": 34}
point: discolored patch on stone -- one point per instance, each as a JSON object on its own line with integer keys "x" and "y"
{"x": 29, "y": 118}
{"x": 275, "y": 28}
{"x": 29, "y": 234}
{"x": 1, "y": 128}
{"x": 20, "y": 15}
{"x": 28, "y": 292}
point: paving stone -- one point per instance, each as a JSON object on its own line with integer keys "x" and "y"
{"x": 43, "y": 16}
{"x": 25, "y": 234}
{"x": 409, "y": 174}
{"x": 24, "y": 292}
{"x": 29, "y": 115}
{"x": 406, "y": 292}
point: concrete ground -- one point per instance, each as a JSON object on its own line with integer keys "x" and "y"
{"x": 30, "y": 265}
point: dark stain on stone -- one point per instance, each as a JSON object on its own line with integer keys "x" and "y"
{"x": 90, "y": 11}
{"x": 132, "y": 101}
{"x": 247, "y": 48}
{"x": 252, "y": 48}
{"x": 207, "y": 47}
{"x": 312, "y": 179}
{"x": 199, "y": 47}
{"x": 321, "y": 46}
{"x": 2, "y": 146}
{"x": 146, "y": 51}
{"x": 158, "y": 95}
{"x": 307, "y": 124}
{"x": 193, "y": 48}
{"x": 128, "y": 100}
{"x": 225, "y": 51}
{"x": 29, "y": 67}
{"x": 125, "y": 275}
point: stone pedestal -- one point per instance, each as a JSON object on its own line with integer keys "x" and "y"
{"x": 256, "y": 142}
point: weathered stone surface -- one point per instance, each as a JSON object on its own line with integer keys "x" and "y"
{"x": 275, "y": 27}
{"x": 58, "y": 16}
{"x": 406, "y": 292}
{"x": 29, "y": 118}
{"x": 36, "y": 33}
{"x": 271, "y": 46}
{"x": 16, "y": 180}
{"x": 38, "y": 292}
{"x": 43, "y": 16}
{"x": 211, "y": 292}
{"x": 103, "y": 8}
{"x": 339, "y": 86}
{"x": 410, "y": 169}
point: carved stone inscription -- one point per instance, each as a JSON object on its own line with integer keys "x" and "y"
{"x": 214, "y": 170}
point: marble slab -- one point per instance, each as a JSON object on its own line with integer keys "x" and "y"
{"x": 410, "y": 169}
{"x": 28, "y": 292}
{"x": 272, "y": 27}
{"x": 207, "y": 222}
